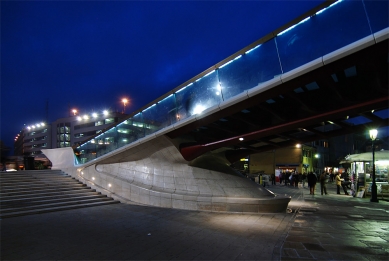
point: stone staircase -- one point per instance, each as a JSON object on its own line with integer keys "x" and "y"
{"x": 39, "y": 191}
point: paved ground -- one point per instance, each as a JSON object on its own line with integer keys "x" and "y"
{"x": 329, "y": 227}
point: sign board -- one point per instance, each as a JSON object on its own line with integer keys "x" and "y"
{"x": 361, "y": 192}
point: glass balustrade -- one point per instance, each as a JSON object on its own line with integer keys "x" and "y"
{"x": 338, "y": 25}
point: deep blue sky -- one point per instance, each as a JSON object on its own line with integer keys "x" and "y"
{"x": 90, "y": 54}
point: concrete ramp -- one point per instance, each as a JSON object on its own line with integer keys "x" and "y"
{"x": 155, "y": 173}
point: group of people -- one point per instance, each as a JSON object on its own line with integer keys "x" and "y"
{"x": 313, "y": 179}
{"x": 323, "y": 179}
{"x": 293, "y": 178}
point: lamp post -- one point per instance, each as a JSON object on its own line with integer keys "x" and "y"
{"x": 373, "y": 136}
{"x": 124, "y": 104}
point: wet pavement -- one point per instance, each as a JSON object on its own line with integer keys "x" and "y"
{"x": 316, "y": 227}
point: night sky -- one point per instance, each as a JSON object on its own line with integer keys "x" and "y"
{"x": 58, "y": 55}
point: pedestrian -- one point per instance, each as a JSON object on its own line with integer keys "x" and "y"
{"x": 265, "y": 180}
{"x": 339, "y": 180}
{"x": 323, "y": 181}
{"x": 286, "y": 178}
{"x": 303, "y": 178}
{"x": 295, "y": 179}
{"x": 281, "y": 177}
{"x": 312, "y": 179}
{"x": 273, "y": 179}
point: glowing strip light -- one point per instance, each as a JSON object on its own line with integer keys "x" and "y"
{"x": 225, "y": 64}
{"x": 322, "y": 10}
{"x": 306, "y": 19}
{"x": 167, "y": 97}
{"x": 209, "y": 73}
{"x": 252, "y": 49}
{"x": 184, "y": 87}
{"x": 293, "y": 26}
{"x": 149, "y": 107}
{"x": 236, "y": 58}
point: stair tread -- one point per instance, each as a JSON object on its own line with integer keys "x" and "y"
{"x": 43, "y": 200}
{"x": 48, "y": 190}
{"x": 33, "y": 192}
{"x": 58, "y": 204}
{"x": 47, "y": 194}
{"x": 53, "y": 209}
{"x": 39, "y": 187}
{"x": 58, "y": 195}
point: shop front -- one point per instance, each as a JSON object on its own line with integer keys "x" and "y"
{"x": 361, "y": 172}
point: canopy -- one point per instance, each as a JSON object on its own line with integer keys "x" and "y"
{"x": 367, "y": 156}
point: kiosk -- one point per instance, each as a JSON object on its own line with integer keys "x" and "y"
{"x": 361, "y": 169}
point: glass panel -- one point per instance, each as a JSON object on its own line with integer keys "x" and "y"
{"x": 160, "y": 115}
{"x": 377, "y": 11}
{"x": 106, "y": 142}
{"x": 357, "y": 120}
{"x": 137, "y": 127}
{"x": 86, "y": 152}
{"x": 337, "y": 26}
{"x": 184, "y": 99}
{"x": 383, "y": 114}
{"x": 124, "y": 133}
{"x": 256, "y": 66}
{"x": 196, "y": 97}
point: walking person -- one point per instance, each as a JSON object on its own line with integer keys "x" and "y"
{"x": 323, "y": 181}
{"x": 312, "y": 179}
{"x": 286, "y": 178}
{"x": 303, "y": 178}
{"x": 295, "y": 179}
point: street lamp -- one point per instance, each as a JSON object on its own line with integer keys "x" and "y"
{"x": 124, "y": 104}
{"x": 373, "y": 136}
{"x": 74, "y": 112}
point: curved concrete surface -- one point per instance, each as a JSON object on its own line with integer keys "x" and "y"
{"x": 155, "y": 173}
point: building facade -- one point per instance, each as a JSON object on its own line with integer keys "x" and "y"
{"x": 302, "y": 158}
{"x": 63, "y": 132}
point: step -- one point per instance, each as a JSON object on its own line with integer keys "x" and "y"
{"x": 26, "y": 174}
{"x": 42, "y": 191}
{"x": 45, "y": 200}
{"x": 25, "y": 178}
{"x": 21, "y": 188}
{"x": 47, "y": 192}
{"x": 54, "y": 209}
{"x": 52, "y": 195}
{"x": 50, "y": 205}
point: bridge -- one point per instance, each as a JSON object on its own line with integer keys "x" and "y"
{"x": 325, "y": 74}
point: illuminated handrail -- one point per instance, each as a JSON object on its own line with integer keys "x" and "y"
{"x": 321, "y": 33}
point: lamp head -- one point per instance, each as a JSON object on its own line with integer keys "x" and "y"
{"x": 373, "y": 134}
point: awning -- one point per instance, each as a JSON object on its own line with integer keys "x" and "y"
{"x": 367, "y": 156}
